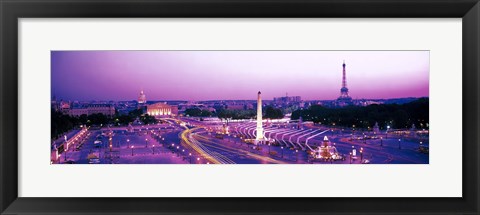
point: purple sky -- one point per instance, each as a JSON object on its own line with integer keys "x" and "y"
{"x": 212, "y": 75}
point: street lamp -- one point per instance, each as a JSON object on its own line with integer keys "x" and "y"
{"x": 153, "y": 149}
{"x": 269, "y": 149}
{"x": 399, "y": 147}
{"x": 146, "y": 143}
{"x": 381, "y": 141}
{"x": 361, "y": 154}
{"x": 282, "y": 151}
{"x": 386, "y": 133}
{"x": 132, "y": 150}
{"x": 350, "y": 158}
{"x": 190, "y": 157}
{"x": 296, "y": 152}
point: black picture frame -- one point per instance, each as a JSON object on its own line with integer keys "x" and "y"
{"x": 12, "y": 10}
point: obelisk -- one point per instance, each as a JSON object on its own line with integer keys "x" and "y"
{"x": 259, "y": 129}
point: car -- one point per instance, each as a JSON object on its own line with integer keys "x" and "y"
{"x": 94, "y": 161}
{"x": 423, "y": 149}
{"x": 365, "y": 161}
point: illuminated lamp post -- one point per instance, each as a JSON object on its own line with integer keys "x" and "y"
{"x": 153, "y": 149}
{"x": 399, "y": 146}
{"x": 178, "y": 153}
{"x": 269, "y": 149}
{"x": 386, "y": 133}
{"x": 132, "y": 149}
{"x": 361, "y": 154}
{"x": 350, "y": 158}
{"x": 296, "y": 152}
{"x": 282, "y": 151}
{"x": 146, "y": 143}
{"x": 190, "y": 157}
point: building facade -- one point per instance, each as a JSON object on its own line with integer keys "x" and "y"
{"x": 162, "y": 109}
{"x": 287, "y": 99}
{"x": 105, "y": 109}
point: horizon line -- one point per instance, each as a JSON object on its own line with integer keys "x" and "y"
{"x": 253, "y": 99}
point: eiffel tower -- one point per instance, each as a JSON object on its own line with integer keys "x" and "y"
{"x": 344, "y": 98}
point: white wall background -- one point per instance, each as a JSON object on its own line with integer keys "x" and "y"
{"x": 442, "y": 177}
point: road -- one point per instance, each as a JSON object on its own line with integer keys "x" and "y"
{"x": 189, "y": 141}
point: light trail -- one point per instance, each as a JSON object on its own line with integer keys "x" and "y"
{"x": 197, "y": 148}
{"x": 221, "y": 158}
{"x": 237, "y": 150}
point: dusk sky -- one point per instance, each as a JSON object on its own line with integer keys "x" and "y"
{"x": 229, "y": 75}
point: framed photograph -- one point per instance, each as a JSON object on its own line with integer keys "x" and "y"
{"x": 208, "y": 118}
{"x": 275, "y": 107}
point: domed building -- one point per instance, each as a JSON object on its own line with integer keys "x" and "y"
{"x": 142, "y": 99}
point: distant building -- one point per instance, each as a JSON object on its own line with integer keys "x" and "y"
{"x": 162, "y": 109}
{"x": 367, "y": 102}
{"x": 287, "y": 100}
{"x": 78, "y": 111}
{"x": 105, "y": 109}
{"x": 64, "y": 105}
{"x": 54, "y": 103}
{"x": 142, "y": 99}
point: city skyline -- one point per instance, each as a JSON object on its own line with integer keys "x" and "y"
{"x": 234, "y": 75}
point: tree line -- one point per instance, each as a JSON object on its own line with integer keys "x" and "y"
{"x": 226, "y": 114}
{"x": 62, "y": 123}
{"x": 393, "y": 115}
